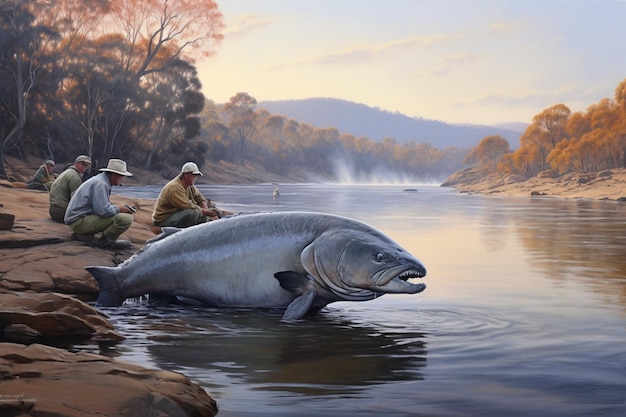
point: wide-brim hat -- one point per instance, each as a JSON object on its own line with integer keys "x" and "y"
{"x": 117, "y": 166}
{"x": 190, "y": 167}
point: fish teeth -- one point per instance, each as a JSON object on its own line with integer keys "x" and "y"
{"x": 410, "y": 274}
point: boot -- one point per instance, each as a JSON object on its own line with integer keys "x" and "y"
{"x": 105, "y": 243}
{"x": 81, "y": 237}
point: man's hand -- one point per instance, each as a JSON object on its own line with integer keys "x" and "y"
{"x": 125, "y": 208}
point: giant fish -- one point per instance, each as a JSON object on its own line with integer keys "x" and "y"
{"x": 293, "y": 260}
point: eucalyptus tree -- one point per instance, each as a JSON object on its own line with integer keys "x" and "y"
{"x": 175, "y": 102}
{"x": 163, "y": 38}
{"x": 22, "y": 60}
{"x": 241, "y": 119}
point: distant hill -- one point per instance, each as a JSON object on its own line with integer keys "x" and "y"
{"x": 376, "y": 124}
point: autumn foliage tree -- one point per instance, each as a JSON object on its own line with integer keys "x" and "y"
{"x": 107, "y": 78}
{"x": 565, "y": 142}
{"x": 489, "y": 153}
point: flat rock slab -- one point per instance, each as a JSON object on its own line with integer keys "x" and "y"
{"x": 28, "y": 317}
{"x": 40, "y": 380}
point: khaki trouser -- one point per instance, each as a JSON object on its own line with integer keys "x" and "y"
{"x": 57, "y": 213}
{"x": 111, "y": 227}
{"x": 184, "y": 218}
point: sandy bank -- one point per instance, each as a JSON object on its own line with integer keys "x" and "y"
{"x": 605, "y": 185}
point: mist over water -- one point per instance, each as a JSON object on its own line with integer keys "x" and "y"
{"x": 347, "y": 174}
{"x": 524, "y": 314}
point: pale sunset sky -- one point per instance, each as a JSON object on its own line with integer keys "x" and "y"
{"x": 457, "y": 61}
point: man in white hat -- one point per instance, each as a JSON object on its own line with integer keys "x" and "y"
{"x": 181, "y": 204}
{"x": 90, "y": 210}
{"x": 64, "y": 187}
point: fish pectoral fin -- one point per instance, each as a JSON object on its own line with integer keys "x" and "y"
{"x": 299, "y": 307}
{"x": 294, "y": 282}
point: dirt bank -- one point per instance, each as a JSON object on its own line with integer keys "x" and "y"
{"x": 604, "y": 185}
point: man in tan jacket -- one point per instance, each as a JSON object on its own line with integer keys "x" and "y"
{"x": 181, "y": 204}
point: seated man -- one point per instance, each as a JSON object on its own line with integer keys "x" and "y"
{"x": 43, "y": 178}
{"x": 90, "y": 210}
{"x": 64, "y": 187}
{"x": 180, "y": 203}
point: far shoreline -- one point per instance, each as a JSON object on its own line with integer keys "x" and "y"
{"x": 609, "y": 185}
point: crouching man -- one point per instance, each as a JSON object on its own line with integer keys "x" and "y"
{"x": 181, "y": 204}
{"x": 90, "y": 210}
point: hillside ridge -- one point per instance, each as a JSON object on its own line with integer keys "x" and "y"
{"x": 376, "y": 124}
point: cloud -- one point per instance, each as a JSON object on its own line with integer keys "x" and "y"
{"x": 447, "y": 64}
{"x": 361, "y": 54}
{"x": 246, "y": 24}
{"x": 503, "y": 27}
{"x": 538, "y": 100}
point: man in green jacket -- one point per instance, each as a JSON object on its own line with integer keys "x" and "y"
{"x": 65, "y": 185}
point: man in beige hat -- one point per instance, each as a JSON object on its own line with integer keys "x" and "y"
{"x": 90, "y": 210}
{"x": 181, "y": 204}
{"x": 65, "y": 185}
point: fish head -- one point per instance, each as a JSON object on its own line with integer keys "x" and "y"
{"x": 363, "y": 264}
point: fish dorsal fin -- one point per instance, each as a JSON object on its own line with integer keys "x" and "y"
{"x": 299, "y": 307}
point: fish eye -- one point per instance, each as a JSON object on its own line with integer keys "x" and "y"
{"x": 380, "y": 257}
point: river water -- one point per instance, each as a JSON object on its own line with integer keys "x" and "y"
{"x": 524, "y": 314}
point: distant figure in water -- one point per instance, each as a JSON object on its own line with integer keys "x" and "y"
{"x": 276, "y": 192}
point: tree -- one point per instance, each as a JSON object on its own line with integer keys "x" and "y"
{"x": 620, "y": 98}
{"x": 241, "y": 118}
{"x": 552, "y": 121}
{"x": 22, "y": 58}
{"x": 174, "y": 102}
{"x": 162, "y": 32}
{"x": 488, "y": 153}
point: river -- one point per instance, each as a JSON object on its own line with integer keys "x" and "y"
{"x": 524, "y": 314}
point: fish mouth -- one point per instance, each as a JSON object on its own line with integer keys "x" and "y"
{"x": 399, "y": 282}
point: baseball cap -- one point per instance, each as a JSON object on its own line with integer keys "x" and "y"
{"x": 190, "y": 167}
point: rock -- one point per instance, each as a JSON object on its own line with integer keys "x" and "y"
{"x": 44, "y": 317}
{"x": 40, "y": 380}
{"x": 6, "y": 221}
{"x": 463, "y": 176}
{"x": 548, "y": 174}
{"x": 21, "y": 333}
{"x": 536, "y": 193}
{"x": 584, "y": 179}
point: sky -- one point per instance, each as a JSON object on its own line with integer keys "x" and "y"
{"x": 456, "y": 61}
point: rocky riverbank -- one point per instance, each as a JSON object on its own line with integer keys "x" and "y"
{"x": 604, "y": 185}
{"x": 44, "y": 303}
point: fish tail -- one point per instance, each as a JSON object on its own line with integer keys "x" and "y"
{"x": 110, "y": 294}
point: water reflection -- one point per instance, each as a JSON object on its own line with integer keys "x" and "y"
{"x": 577, "y": 240}
{"x": 324, "y": 355}
{"x": 523, "y": 315}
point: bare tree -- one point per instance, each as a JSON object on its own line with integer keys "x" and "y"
{"x": 22, "y": 56}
